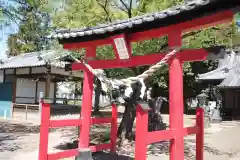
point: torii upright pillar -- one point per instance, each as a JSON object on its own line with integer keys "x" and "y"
{"x": 176, "y": 98}
{"x": 87, "y": 104}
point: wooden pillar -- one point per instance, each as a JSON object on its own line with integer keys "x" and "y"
{"x": 82, "y": 87}
{"x": 55, "y": 92}
{"x": 4, "y": 75}
{"x": 36, "y": 92}
{"x": 176, "y": 99}
{"x": 14, "y": 82}
{"x": 47, "y": 82}
{"x": 86, "y": 106}
{"x": 14, "y": 94}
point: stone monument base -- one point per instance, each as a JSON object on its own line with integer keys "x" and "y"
{"x": 216, "y": 120}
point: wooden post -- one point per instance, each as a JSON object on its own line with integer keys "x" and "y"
{"x": 141, "y": 132}
{"x": 75, "y": 93}
{"x": 26, "y": 112}
{"x": 14, "y": 89}
{"x": 47, "y": 86}
{"x": 114, "y": 127}
{"x": 43, "y": 143}
{"x": 36, "y": 92}
{"x": 55, "y": 93}
{"x": 48, "y": 82}
{"x": 200, "y": 134}
{"x": 176, "y": 99}
{"x": 12, "y": 113}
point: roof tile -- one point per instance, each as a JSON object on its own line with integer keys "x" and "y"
{"x": 127, "y": 23}
{"x": 33, "y": 59}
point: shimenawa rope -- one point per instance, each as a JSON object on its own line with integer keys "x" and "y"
{"x": 108, "y": 83}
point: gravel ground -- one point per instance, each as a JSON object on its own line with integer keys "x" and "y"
{"x": 19, "y": 140}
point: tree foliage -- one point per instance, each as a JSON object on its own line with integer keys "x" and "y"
{"x": 85, "y": 13}
{"x": 33, "y": 20}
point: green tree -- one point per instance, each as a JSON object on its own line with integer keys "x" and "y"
{"x": 33, "y": 20}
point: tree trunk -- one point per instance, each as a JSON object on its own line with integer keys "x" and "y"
{"x": 126, "y": 125}
{"x": 155, "y": 121}
{"x": 97, "y": 95}
{"x": 129, "y": 115}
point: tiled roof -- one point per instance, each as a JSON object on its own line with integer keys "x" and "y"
{"x": 225, "y": 65}
{"x": 177, "y": 14}
{"x": 233, "y": 77}
{"x": 232, "y": 80}
{"x": 217, "y": 74}
{"x": 228, "y": 71}
{"x": 33, "y": 59}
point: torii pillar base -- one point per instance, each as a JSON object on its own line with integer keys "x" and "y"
{"x": 84, "y": 154}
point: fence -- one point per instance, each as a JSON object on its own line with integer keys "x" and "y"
{"x": 175, "y": 134}
{"x": 46, "y": 123}
{"x": 26, "y": 107}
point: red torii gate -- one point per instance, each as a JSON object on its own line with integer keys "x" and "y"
{"x": 173, "y": 23}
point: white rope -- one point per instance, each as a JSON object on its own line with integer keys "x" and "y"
{"x": 115, "y": 83}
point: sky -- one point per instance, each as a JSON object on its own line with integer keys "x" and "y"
{"x": 3, "y": 49}
{"x": 5, "y": 31}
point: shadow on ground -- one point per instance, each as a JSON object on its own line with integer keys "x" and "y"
{"x": 9, "y": 132}
{"x": 97, "y": 155}
{"x": 190, "y": 149}
{"x": 7, "y": 143}
{"x": 154, "y": 149}
{"x": 6, "y": 127}
{"x": 109, "y": 156}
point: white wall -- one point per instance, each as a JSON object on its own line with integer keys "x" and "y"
{"x": 23, "y": 71}
{"x": 27, "y": 88}
{"x": 62, "y": 71}
{"x": 39, "y": 70}
{"x": 9, "y": 71}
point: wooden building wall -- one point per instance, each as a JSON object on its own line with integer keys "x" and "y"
{"x": 231, "y": 104}
{"x": 27, "y": 91}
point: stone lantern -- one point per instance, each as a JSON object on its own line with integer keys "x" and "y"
{"x": 202, "y": 102}
{"x": 202, "y": 99}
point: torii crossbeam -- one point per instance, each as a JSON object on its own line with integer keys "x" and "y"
{"x": 173, "y": 23}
